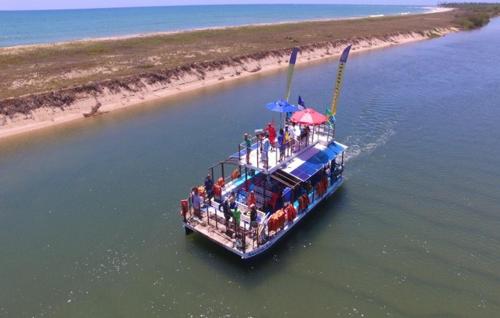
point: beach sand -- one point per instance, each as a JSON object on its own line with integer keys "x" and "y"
{"x": 46, "y": 117}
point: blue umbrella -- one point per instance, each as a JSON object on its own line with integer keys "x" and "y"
{"x": 282, "y": 106}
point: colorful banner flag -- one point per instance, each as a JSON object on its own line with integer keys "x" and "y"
{"x": 291, "y": 68}
{"x": 340, "y": 77}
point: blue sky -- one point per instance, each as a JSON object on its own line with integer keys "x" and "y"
{"x": 65, "y": 4}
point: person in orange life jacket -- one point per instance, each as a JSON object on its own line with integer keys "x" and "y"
{"x": 251, "y": 198}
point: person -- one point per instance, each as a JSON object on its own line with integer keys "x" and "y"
{"x": 265, "y": 149}
{"x": 190, "y": 200}
{"x": 328, "y": 172}
{"x": 236, "y": 219}
{"x": 292, "y": 136}
{"x": 281, "y": 144}
{"x": 251, "y": 198}
{"x": 209, "y": 188}
{"x": 248, "y": 146}
{"x": 271, "y": 134}
{"x": 297, "y": 132}
{"x": 224, "y": 207}
{"x": 307, "y": 132}
{"x": 253, "y": 215}
{"x": 232, "y": 200}
{"x": 196, "y": 203}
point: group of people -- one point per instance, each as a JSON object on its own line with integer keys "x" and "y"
{"x": 230, "y": 210}
{"x": 228, "y": 206}
{"x": 288, "y": 139}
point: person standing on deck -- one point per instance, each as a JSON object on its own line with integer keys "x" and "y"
{"x": 297, "y": 135}
{"x": 307, "y": 130}
{"x": 190, "y": 200}
{"x": 281, "y": 144}
{"x": 265, "y": 150}
{"x": 209, "y": 188}
{"x": 225, "y": 208}
{"x": 251, "y": 198}
{"x": 232, "y": 200}
{"x": 248, "y": 147}
{"x": 271, "y": 131}
{"x": 253, "y": 215}
{"x": 196, "y": 204}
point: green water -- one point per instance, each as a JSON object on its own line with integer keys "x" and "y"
{"x": 89, "y": 223}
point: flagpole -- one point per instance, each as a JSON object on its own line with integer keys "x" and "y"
{"x": 291, "y": 69}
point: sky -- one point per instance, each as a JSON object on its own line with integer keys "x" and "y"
{"x": 73, "y": 4}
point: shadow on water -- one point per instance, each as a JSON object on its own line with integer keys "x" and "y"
{"x": 258, "y": 269}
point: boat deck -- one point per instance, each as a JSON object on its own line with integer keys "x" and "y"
{"x": 257, "y": 160}
{"x": 212, "y": 225}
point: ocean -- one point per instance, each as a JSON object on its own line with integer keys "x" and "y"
{"x": 89, "y": 211}
{"x": 33, "y": 27}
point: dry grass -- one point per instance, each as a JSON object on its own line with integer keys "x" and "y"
{"x": 53, "y": 75}
{"x": 35, "y": 69}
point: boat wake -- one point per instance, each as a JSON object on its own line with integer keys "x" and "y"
{"x": 374, "y": 128}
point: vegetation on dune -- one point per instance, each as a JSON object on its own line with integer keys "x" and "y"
{"x": 53, "y": 75}
{"x": 473, "y": 15}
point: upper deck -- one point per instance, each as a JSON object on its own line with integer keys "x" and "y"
{"x": 294, "y": 154}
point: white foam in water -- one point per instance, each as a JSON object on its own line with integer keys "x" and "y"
{"x": 357, "y": 148}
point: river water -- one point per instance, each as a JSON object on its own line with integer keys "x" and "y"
{"x": 89, "y": 223}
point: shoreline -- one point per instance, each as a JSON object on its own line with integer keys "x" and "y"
{"x": 46, "y": 117}
{"x": 430, "y": 9}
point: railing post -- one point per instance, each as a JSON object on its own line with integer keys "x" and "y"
{"x": 244, "y": 238}
{"x": 258, "y": 150}
{"x": 222, "y": 171}
{"x": 208, "y": 217}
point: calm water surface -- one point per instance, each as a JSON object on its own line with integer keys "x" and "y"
{"x": 29, "y": 27}
{"x": 89, "y": 223}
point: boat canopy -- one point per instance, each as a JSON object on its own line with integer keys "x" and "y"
{"x": 313, "y": 160}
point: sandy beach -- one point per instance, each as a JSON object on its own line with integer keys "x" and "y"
{"x": 108, "y": 93}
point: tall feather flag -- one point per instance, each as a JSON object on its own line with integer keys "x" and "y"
{"x": 291, "y": 68}
{"x": 338, "y": 85}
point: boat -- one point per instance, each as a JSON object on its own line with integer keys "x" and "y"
{"x": 258, "y": 194}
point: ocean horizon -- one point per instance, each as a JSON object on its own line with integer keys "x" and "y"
{"x": 49, "y": 26}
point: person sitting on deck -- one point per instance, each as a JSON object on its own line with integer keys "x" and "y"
{"x": 251, "y": 198}
{"x": 271, "y": 131}
{"x": 248, "y": 147}
{"x": 209, "y": 188}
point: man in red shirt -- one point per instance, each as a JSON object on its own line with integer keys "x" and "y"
{"x": 272, "y": 134}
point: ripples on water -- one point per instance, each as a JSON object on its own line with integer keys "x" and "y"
{"x": 88, "y": 212}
